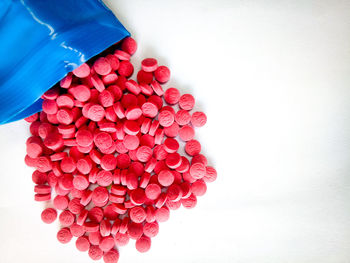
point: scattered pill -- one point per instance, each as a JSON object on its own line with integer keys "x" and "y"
{"x": 49, "y": 215}
{"x": 162, "y": 74}
{"x": 107, "y": 147}
{"x": 149, "y": 64}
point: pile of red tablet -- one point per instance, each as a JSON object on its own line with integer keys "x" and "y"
{"x": 105, "y": 148}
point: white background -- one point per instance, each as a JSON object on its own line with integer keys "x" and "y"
{"x": 273, "y": 77}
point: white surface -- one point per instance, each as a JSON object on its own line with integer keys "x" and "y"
{"x": 273, "y": 78}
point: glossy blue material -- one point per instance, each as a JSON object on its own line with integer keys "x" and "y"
{"x": 41, "y": 41}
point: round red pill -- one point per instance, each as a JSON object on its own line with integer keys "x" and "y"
{"x": 147, "y": 140}
{"x": 143, "y": 244}
{"x": 199, "y": 188}
{"x": 66, "y": 182}
{"x": 122, "y": 55}
{"x": 80, "y": 182}
{"x": 186, "y": 133}
{"x": 123, "y": 161}
{"x": 52, "y": 179}
{"x": 172, "y": 96}
{"x": 125, "y": 68}
{"x": 174, "y": 192}
{"x": 49, "y": 215}
{"x": 105, "y": 228}
{"x": 84, "y": 165}
{"x": 39, "y": 177}
{"x": 144, "y": 77}
{"x": 99, "y": 195}
{"x": 60, "y": 202}
{"x": 108, "y": 162}
{"x": 144, "y": 153}
{"x": 150, "y": 211}
{"x": 52, "y": 93}
{"x": 131, "y": 142}
{"x": 144, "y": 180}
{"x": 75, "y": 193}
{"x": 66, "y": 218}
{"x": 171, "y": 145}
{"x": 32, "y": 118}
{"x": 198, "y": 170}
{"x": 133, "y": 87}
{"x": 82, "y": 244}
{"x": 131, "y": 127}
{"x": 96, "y": 112}
{"x": 82, "y": 217}
{"x": 210, "y": 175}
{"x": 149, "y": 109}
{"x": 160, "y": 166}
{"x": 109, "y": 212}
{"x": 118, "y": 190}
{"x": 65, "y": 100}
{"x": 64, "y": 236}
{"x": 77, "y": 230}
{"x": 103, "y": 140}
{"x": 198, "y": 119}
{"x": 114, "y": 62}
{"x": 145, "y": 88}
{"x": 121, "y": 239}
{"x": 129, "y": 45}
{"x": 74, "y": 206}
{"x": 161, "y": 200}
{"x": 102, "y": 66}
{"x": 95, "y": 238}
{"x": 172, "y": 130}
{"x": 115, "y": 227}
{"x": 42, "y": 197}
{"x": 81, "y": 93}
{"x": 186, "y": 102}
{"x": 193, "y": 147}
{"x": 82, "y": 71}
{"x": 50, "y": 106}
{"x": 133, "y": 113}
{"x": 186, "y": 189}
{"x": 158, "y": 137}
{"x": 149, "y": 64}
{"x": 106, "y": 98}
{"x": 157, "y": 88}
{"x": 107, "y": 243}
{"x": 166, "y": 118}
{"x": 184, "y": 166}
{"x": 68, "y": 165}
{"x": 165, "y": 178}
{"x": 138, "y": 196}
{"x": 173, "y": 160}
{"x": 135, "y": 230}
{"x": 162, "y": 74}
{"x": 162, "y": 214}
{"x": 189, "y": 202}
{"x": 111, "y": 256}
{"x": 42, "y": 189}
{"x": 153, "y": 128}
{"x": 137, "y": 214}
{"x": 64, "y": 116}
{"x": 151, "y": 229}
{"x": 95, "y": 253}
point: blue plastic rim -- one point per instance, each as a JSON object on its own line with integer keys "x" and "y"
{"x": 41, "y": 41}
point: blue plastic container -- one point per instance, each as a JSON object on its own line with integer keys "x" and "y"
{"x": 41, "y": 41}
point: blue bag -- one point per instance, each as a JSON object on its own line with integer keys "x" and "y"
{"x": 41, "y": 41}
